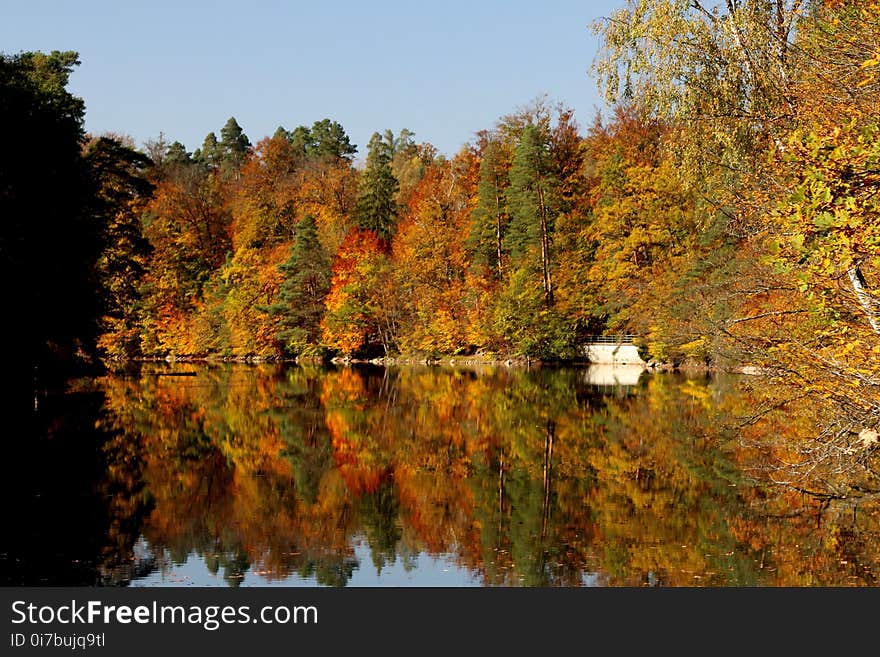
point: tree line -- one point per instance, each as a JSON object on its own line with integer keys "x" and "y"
{"x": 519, "y": 245}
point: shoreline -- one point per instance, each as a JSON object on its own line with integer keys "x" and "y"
{"x": 450, "y": 361}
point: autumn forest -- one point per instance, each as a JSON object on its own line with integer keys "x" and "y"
{"x": 724, "y": 211}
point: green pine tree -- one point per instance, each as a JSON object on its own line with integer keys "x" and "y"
{"x": 328, "y": 140}
{"x": 531, "y": 198}
{"x": 301, "y": 141}
{"x": 176, "y": 155}
{"x": 300, "y": 301}
{"x": 209, "y": 153}
{"x": 325, "y": 140}
{"x": 489, "y": 219}
{"x": 233, "y": 147}
{"x": 376, "y": 208}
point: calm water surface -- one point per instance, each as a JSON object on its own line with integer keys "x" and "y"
{"x": 237, "y": 475}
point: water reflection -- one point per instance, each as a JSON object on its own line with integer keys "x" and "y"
{"x": 614, "y": 375}
{"x": 265, "y": 475}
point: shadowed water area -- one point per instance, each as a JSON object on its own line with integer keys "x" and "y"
{"x": 240, "y": 475}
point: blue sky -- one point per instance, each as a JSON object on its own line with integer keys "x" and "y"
{"x": 442, "y": 69}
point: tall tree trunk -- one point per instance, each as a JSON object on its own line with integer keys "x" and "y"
{"x": 498, "y": 232}
{"x": 545, "y": 249}
{"x": 549, "y": 439}
{"x": 501, "y": 494}
{"x": 869, "y": 303}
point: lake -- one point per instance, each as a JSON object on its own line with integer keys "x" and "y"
{"x": 263, "y": 475}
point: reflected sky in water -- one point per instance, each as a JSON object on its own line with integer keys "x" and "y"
{"x": 423, "y": 571}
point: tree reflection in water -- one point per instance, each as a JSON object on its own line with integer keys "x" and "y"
{"x": 538, "y": 477}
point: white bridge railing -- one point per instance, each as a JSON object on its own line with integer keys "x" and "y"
{"x": 623, "y": 338}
